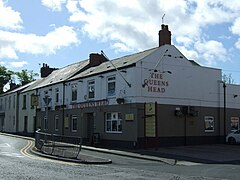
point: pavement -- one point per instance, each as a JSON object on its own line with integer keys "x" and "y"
{"x": 179, "y": 155}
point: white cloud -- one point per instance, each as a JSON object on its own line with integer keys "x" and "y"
{"x": 12, "y": 43}
{"x": 54, "y": 5}
{"x": 9, "y": 19}
{"x": 211, "y": 51}
{"x": 17, "y": 64}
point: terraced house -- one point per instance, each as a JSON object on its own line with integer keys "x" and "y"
{"x": 156, "y": 97}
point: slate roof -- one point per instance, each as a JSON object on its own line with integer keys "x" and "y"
{"x": 62, "y": 74}
{"x": 118, "y": 63}
{"x": 18, "y": 89}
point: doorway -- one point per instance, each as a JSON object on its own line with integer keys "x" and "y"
{"x": 90, "y": 126}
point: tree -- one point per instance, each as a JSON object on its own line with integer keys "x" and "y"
{"x": 5, "y": 77}
{"x": 228, "y": 78}
{"x": 26, "y": 76}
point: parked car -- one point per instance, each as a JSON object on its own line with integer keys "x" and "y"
{"x": 233, "y": 137}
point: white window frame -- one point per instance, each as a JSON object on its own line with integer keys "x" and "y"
{"x": 45, "y": 123}
{"x": 56, "y": 95}
{"x": 113, "y": 122}
{"x": 111, "y": 80}
{"x": 208, "y": 122}
{"x": 73, "y": 118}
{"x": 56, "y": 122}
{"x": 91, "y": 89}
{"x": 74, "y": 92}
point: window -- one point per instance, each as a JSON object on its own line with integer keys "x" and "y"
{"x": 113, "y": 122}
{"x": 56, "y": 122}
{"x": 91, "y": 89}
{"x": 74, "y": 123}
{"x": 14, "y": 122}
{"x": 74, "y": 92}
{"x": 9, "y": 102}
{"x": 24, "y": 101}
{"x": 14, "y": 101}
{"x": 5, "y": 103}
{"x": 209, "y": 123}
{"x": 111, "y": 86}
{"x": 1, "y": 104}
{"x": 45, "y": 123}
{"x": 57, "y": 95}
{"x": 234, "y": 123}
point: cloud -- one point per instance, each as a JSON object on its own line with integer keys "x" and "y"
{"x": 211, "y": 50}
{"x": 13, "y": 43}
{"x": 133, "y": 25}
{"x": 9, "y": 19}
{"x": 54, "y": 5}
{"x": 17, "y": 64}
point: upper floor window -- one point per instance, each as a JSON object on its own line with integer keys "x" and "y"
{"x": 57, "y": 95}
{"x": 91, "y": 89}
{"x": 74, "y": 92}
{"x": 24, "y": 101}
{"x": 9, "y": 102}
{"x": 111, "y": 86}
{"x": 1, "y": 104}
{"x": 14, "y": 101}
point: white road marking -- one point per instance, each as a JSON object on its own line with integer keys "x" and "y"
{"x": 11, "y": 154}
{"x": 3, "y": 145}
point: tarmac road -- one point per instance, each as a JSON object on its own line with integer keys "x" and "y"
{"x": 16, "y": 162}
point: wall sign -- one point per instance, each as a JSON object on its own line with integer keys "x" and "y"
{"x": 156, "y": 83}
{"x": 98, "y": 103}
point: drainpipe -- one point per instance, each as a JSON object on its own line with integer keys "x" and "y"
{"x": 224, "y": 108}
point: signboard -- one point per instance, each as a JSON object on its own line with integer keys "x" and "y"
{"x": 150, "y": 120}
{"x": 98, "y": 103}
{"x": 129, "y": 117}
{"x": 66, "y": 122}
{"x": 234, "y": 123}
{"x": 47, "y": 100}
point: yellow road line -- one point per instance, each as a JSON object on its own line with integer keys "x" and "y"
{"x": 30, "y": 144}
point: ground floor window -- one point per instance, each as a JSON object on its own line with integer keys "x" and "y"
{"x": 113, "y": 122}
{"x": 234, "y": 123}
{"x": 45, "y": 123}
{"x": 56, "y": 122}
{"x": 74, "y": 123}
{"x": 209, "y": 123}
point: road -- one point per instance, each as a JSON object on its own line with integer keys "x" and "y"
{"x": 17, "y": 163}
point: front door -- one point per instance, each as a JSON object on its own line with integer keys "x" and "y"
{"x": 90, "y": 126}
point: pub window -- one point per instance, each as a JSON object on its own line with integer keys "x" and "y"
{"x": 234, "y": 123}
{"x": 74, "y": 123}
{"x": 209, "y": 123}
{"x": 111, "y": 86}
{"x": 56, "y": 122}
{"x": 113, "y": 122}
{"x": 74, "y": 92}
{"x": 91, "y": 89}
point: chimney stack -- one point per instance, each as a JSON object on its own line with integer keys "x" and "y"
{"x": 96, "y": 59}
{"x": 164, "y": 35}
{"x": 46, "y": 70}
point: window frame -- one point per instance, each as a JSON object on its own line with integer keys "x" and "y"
{"x": 209, "y": 120}
{"x": 24, "y": 101}
{"x": 116, "y": 118}
{"x": 56, "y": 122}
{"x": 57, "y": 95}
{"x": 73, "y": 119}
{"x": 91, "y": 84}
{"x": 110, "y": 80}
{"x": 74, "y": 92}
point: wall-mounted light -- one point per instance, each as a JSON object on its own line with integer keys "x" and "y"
{"x": 235, "y": 95}
{"x": 101, "y": 76}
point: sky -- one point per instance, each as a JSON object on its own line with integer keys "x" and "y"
{"x": 62, "y": 32}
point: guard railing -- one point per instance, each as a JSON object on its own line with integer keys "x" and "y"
{"x": 58, "y": 145}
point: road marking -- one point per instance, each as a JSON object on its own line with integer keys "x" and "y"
{"x": 4, "y": 145}
{"x": 30, "y": 144}
{"x": 11, "y": 154}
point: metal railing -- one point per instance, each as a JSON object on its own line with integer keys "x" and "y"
{"x": 57, "y": 145}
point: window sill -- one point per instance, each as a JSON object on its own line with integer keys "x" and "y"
{"x": 114, "y": 132}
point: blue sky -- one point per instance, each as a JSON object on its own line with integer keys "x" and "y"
{"x": 61, "y": 32}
